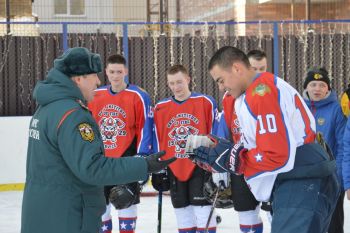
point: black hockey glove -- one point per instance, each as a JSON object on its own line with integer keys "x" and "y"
{"x": 160, "y": 181}
{"x": 155, "y": 164}
{"x": 221, "y": 157}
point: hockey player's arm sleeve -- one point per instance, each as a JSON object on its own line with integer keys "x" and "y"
{"x": 346, "y": 156}
{"x": 144, "y": 124}
{"x": 273, "y": 144}
{"x": 213, "y": 115}
{"x": 223, "y": 129}
{"x": 155, "y": 136}
{"x": 82, "y": 150}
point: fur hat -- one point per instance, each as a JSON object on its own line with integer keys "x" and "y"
{"x": 78, "y": 61}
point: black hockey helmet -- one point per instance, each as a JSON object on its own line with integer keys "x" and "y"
{"x": 122, "y": 196}
{"x": 224, "y": 199}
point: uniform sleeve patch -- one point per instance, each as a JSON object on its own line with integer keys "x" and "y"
{"x": 86, "y": 132}
{"x": 261, "y": 90}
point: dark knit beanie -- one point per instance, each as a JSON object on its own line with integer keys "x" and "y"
{"x": 317, "y": 74}
{"x": 78, "y": 61}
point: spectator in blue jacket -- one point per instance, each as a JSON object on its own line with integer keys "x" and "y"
{"x": 330, "y": 121}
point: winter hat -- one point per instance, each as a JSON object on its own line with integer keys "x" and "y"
{"x": 78, "y": 61}
{"x": 317, "y": 74}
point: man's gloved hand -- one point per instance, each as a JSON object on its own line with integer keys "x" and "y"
{"x": 220, "y": 157}
{"x": 160, "y": 181}
{"x": 155, "y": 164}
{"x": 221, "y": 179}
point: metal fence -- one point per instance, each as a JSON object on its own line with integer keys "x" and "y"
{"x": 292, "y": 48}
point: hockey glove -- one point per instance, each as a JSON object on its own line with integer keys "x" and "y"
{"x": 195, "y": 141}
{"x": 160, "y": 181}
{"x": 155, "y": 164}
{"x": 221, "y": 157}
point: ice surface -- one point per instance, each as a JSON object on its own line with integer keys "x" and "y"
{"x": 10, "y": 215}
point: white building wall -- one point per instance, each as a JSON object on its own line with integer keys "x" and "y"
{"x": 95, "y": 11}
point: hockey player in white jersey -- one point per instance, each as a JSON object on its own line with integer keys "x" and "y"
{"x": 279, "y": 154}
{"x": 244, "y": 202}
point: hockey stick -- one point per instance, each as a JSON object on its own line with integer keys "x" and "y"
{"x": 160, "y": 202}
{"x": 212, "y": 210}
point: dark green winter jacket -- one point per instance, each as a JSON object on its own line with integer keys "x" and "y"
{"x": 66, "y": 166}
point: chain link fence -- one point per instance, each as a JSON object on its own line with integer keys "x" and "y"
{"x": 26, "y": 59}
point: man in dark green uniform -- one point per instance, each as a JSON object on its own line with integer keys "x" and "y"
{"x": 66, "y": 166}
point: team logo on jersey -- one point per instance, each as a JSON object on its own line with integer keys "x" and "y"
{"x": 111, "y": 124}
{"x": 261, "y": 90}
{"x": 321, "y": 121}
{"x": 86, "y": 132}
{"x": 179, "y": 136}
{"x": 183, "y": 125}
{"x": 110, "y": 129}
{"x": 235, "y": 129}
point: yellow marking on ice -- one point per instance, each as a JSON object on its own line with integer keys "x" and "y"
{"x": 12, "y": 187}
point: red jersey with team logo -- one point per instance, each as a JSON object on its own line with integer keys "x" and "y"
{"x": 229, "y": 125}
{"x": 174, "y": 121}
{"x": 122, "y": 117}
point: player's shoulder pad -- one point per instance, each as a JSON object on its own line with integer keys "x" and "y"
{"x": 263, "y": 90}
{"x": 132, "y": 86}
{"x": 138, "y": 90}
{"x": 262, "y": 87}
{"x": 163, "y": 101}
{"x": 205, "y": 97}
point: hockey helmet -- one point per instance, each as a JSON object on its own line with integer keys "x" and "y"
{"x": 224, "y": 198}
{"x": 122, "y": 196}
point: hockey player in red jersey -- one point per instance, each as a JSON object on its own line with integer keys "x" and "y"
{"x": 279, "y": 154}
{"x": 244, "y": 202}
{"x": 124, "y": 115}
{"x": 175, "y": 118}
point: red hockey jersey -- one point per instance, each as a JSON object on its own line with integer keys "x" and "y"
{"x": 174, "y": 121}
{"x": 122, "y": 117}
{"x": 274, "y": 121}
{"x": 228, "y": 124}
